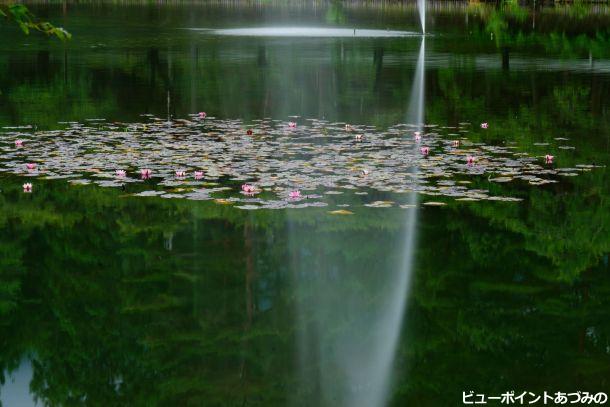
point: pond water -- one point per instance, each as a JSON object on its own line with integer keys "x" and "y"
{"x": 396, "y": 278}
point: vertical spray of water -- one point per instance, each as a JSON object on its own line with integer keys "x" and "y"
{"x": 415, "y": 112}
{"x": 349, "y": 316}
{"x": 421, "y": 6}
{"x": 401, "y": 289}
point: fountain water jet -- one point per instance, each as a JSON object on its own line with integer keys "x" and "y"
{"x": 349, "y": 316}
{"x": 421, "y": 6}
{"x": 401, "y": 288}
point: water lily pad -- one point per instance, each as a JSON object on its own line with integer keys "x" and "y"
{"x": 316, "y": 156}
{"x": 380, "y": 204}
{"x": 341, "y": 212}
{"x": 501, "y": 179}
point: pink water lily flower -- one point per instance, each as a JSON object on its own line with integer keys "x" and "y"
{"x": 198, "y": 174}
{"x": 359, "y": 137}
{"x": 348, "y": 127}
{"x": 292, "y": 124}
{"x": 549, "y": 159}
{"x": 145, "y": 173}
{"x": 455, "y": 143}
{"x": 294, "y": 194}
{"x": 30, "y": 166}
{"x": 18, "y": 143}
{"x": 202, "y": 115}
{"x": 248, "y": 189}
{"x": 425, "y": 150}
{"x": 180, "y": 174}
{"x": 417, "y": 136}
{"x": 484, "y": 125}
{"x": 120, "y": 173}
{"x": 470, "y": 160}
{"x": 27, "y": 187}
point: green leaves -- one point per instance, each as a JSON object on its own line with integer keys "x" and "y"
{"x": 27, "y": 21}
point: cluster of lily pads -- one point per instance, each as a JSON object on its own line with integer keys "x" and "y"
{"x": 272, "y": 163}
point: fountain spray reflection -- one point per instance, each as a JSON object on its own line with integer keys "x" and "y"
{"x": 350, "y": 301}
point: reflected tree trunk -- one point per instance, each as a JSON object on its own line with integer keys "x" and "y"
{"x": 505, "y": 58}
{"x": 262, "y": 56}
{"x": 248, "y": 246}
{"x": 249, "y": 276}
{"x": 378, "y": 62}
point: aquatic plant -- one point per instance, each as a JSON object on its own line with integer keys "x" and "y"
{"x": 318, "y": 157}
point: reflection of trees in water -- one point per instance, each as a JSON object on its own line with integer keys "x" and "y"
{"x": 519, "y": 292}
{"x": 119, "y": 80}
{"x": 506, "y": 295}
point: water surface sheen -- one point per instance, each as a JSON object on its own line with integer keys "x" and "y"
{"x": 307, "y": 32}
{"x": 112, "y": 299}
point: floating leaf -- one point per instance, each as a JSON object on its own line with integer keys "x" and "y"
{"x": 319, "y": 157}
{"x": 341, "y": 212}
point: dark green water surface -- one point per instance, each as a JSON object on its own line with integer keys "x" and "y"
{"x": 108, "y": 300}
